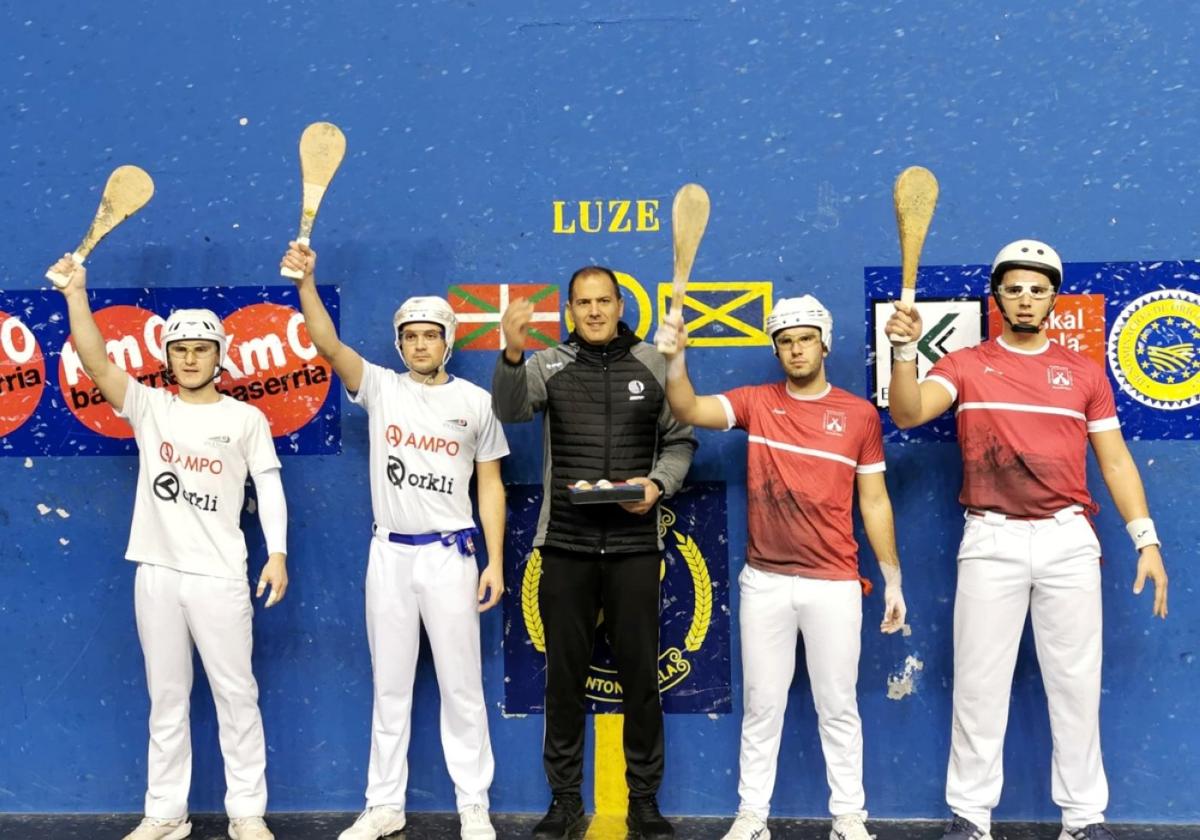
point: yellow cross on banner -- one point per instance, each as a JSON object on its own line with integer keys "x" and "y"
{"x": 708, "y": 304}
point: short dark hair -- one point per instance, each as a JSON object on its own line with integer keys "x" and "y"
{"x": 593, "y": 269}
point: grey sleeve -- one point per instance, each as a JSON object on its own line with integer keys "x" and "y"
{"x": 519, "y": 391}
{"x": 676, "y": 446}
{"x": 676, "y": 441}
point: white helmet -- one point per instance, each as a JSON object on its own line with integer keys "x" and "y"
{"x": 1028, "y": 253}
{"x": 426, "y": 310}
{"x": 803, "y": 311}
{"x": 195, "y": 325}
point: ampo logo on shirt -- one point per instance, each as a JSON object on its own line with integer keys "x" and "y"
{"x": 194, "y": 463}
{"x": 396, "y": 437}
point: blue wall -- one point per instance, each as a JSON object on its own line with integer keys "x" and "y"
{"x": 465, "y": 121}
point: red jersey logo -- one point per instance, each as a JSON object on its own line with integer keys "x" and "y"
{"x": 835, "y": 423}
{"x": 1059, "y": 377}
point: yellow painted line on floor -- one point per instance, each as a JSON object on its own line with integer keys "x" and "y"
{"x": 610, "y": 793}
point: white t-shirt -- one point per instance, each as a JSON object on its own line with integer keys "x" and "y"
{"x": 192, "y": 466}
{"x": 425, "y": 440}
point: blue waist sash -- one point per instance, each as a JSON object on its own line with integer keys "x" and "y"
{"x": 463, "y": 540}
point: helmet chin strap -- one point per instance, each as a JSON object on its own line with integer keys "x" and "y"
{"x": 428, "y": 377}
{"x": 1025, "y": 329}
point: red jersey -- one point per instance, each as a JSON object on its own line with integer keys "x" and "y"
{"x": 1023, "y": 423}
{"x": 801, "y": 461}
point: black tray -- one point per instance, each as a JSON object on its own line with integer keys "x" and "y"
{"x": 619, "y": 492}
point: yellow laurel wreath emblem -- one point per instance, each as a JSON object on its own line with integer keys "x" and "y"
{"x": 702, "y": 586}
{"x": 530, "y": 608}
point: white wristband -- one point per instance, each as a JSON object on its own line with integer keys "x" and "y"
{"x": 1142, "y": 532}
{"x": 904, "y": 352}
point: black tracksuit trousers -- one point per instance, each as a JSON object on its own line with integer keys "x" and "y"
{"x": 574, "y": 588}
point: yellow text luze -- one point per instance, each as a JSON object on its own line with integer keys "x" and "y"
{"x": 616, "y": 215}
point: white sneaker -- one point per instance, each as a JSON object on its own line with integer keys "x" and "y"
{"x": 747, "y": 826}
{"x": 476, "y": 825}
{"x": 155, "y": 829}
{"x": 850, "y": 827}
{"x": 374, "y": 823}
{"x": 249, "y": 828}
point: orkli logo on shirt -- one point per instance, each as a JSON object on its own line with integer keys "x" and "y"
{"x": 166, "y": 487}
{"x": 400, "y": 476}
{"x": 455, "y": 424}
{"x": 22, "y": 373}
{"x": 779, "y": 411}
{"x": 396, "y": 437}
{"x": 636, "y": 389}
{"x": 835, "y": 422}
{"x": 1059, "y": 377}
{"x": 194, "y": 463}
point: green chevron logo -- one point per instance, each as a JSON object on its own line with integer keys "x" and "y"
{"x": 933, "y": 344}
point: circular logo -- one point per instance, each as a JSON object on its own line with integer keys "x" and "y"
{"x": 131, "y": 338}
{"x": 396, "y": 471}
{"x": 166, "y": 486}
{"x": 636, "y": 386}
{"x": 273, "y": 365}
{"x": 1154, "y": 349}
{"x": 167, "y": 452}
{"x": 22, "y": 373}
{"x": 393, "y": 435}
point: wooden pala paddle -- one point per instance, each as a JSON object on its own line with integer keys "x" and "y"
{"x": 322, "y": 147}
{"x": 127, "y": 191}
{"x": 915, "y": 195}
{"x": 689, "y": 218}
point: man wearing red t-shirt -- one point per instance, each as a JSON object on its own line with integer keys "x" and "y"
{"x": 811, "y": 446}
{"x": 1026, "y": 408}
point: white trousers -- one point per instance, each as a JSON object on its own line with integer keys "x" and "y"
{"x": 175, "y": 611}
{"x": 434, "y": 584}
{"x": 1006, "y": 569}
{"x": 828, "y": 615}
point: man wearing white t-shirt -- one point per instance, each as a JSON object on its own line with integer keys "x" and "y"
{"x": 195, "y": 450}
{"x": 812, "y": 448}
{"x": 429, "y": 433}
{"x": 1026, "y": 408}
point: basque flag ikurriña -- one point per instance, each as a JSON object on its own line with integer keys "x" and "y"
{"x": 479, "y": 306}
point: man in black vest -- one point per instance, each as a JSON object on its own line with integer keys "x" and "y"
{"x": 605, "y": 416}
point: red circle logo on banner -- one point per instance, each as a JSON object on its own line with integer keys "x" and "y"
{"x": 273, "y": 365}
{"x": 22, "y": 373}
{"x": 131, "y": 336}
